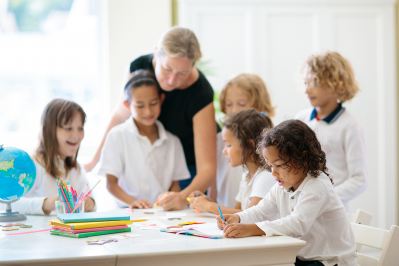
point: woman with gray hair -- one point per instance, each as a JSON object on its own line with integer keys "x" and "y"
{"x": 187, "y": 110}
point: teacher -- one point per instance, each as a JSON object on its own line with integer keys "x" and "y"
{"x": 187, "y": 110}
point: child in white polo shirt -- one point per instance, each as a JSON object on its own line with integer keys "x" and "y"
{"x": 304, "y": 200}
{"x": 330, "y": 81}
{"x": 140, "y": 158}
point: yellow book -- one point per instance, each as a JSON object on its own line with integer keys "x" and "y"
{"x": 85, "y": 225}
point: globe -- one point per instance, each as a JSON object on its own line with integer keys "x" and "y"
{"x": 17, "y": 176}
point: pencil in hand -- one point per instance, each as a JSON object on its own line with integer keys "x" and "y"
{"x": 221, "y": 214}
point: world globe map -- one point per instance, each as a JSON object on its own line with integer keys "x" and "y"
{"x": 17, "y": 173}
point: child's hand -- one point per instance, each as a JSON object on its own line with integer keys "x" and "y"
{"x": 229, "y": 219}
{"x": 140, "y": 204}
{"x": 49, "y": 205}
{"x": 242, "y": 230}
{"x": 200, "y": 204}
{"x": 89, "y": 204}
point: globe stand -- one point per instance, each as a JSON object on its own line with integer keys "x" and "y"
{"x": 9, "y": 215}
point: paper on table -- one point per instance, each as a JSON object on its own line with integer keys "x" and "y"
{"x": 207, "y": 230}
{"x": 210, "y": 229}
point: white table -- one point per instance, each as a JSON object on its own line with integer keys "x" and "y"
{"x": 146, "y": 247}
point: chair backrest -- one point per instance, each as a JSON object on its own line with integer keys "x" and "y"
{"x": 385, "y": 240}
{"x": 362, "y": 217}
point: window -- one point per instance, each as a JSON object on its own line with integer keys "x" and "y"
{"x": 48, "y": 49}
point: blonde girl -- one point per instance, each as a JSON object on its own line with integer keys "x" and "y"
{"x": 243, "y": 92}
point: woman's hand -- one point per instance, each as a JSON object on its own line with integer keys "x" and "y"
{"x": 140, "y": 204}
{"x": 228, "y": 219}
{"x": 171, "y": 201}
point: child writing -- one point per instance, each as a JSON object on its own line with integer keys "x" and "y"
{"x": 329, "y": 82}
{"x": 241, "y": 134}
{"x": 140, "y": 159}
{"x": 304, "y": 199}
{"x": 56, "y": 157}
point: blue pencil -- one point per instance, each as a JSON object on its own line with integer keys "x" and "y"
{"x": 220, "y": 213}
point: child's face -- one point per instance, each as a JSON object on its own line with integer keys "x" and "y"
{"x": 232, "y": 148}
{"x": 286, "y": 176}
{"x": 69, "y": 136}
{"x": 145, "y": 105}
{"x": 237, "y": 100}
{"x": 319, "y": 96}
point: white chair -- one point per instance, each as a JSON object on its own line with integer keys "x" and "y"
{"x": 362, "y": 217}
{"x": 387, "y": 241}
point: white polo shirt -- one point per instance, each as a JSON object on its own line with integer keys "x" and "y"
{"x": 258, "y": 186}
{"x": 228, "y": 178}
{"x": 313, "y": 213}
{"x": 144, "y": 170}
{"x": 46, "y": 186}
{"x": 342, "y": 140}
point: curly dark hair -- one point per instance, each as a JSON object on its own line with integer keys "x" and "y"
{"x": 297, "y": 145}
{"x": 247, "y": 127}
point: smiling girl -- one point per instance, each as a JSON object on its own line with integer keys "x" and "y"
{"x": 56, "y": 157}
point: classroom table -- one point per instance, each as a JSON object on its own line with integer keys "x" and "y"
{"x": 145, "y": 245}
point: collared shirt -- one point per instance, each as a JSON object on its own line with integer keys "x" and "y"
{"x": 46, "y": 186}
{"x": 144, "y": 170}
{"x": 256, "y": 186}
{"x": 312, "y": 213}
{"x": 334, "y": 115}
{"x": 228, "y": 178}
{"x": 342, "y": 140}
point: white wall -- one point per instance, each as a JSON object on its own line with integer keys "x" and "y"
{"x": 273, "y": 38}
{"x": 130, "y": 29}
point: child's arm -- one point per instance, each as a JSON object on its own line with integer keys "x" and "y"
{"x": 253, "y": 201}
{"x": 355, "y": 182}
{"x": 233, "y": 229}
{"x": 119, "y": 193}
{"x": 296, "y": 220}
{"x": 242, "y": 230}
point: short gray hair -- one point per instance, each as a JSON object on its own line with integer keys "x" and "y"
{"x": 180, "y": 42}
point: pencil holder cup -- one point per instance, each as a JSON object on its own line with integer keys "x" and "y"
{"x": 62, "y": 207}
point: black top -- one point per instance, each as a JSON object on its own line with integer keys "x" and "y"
{"x": 180, "y": 106}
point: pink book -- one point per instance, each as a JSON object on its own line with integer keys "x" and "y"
{"x": 95, "y": 229}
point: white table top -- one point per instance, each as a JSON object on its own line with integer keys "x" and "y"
{"x": 144, "y": 246}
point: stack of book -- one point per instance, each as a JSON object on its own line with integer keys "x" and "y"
{"x": 79, "y": 225}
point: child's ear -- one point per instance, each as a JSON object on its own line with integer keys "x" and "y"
{"x": 126, "y": 104}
